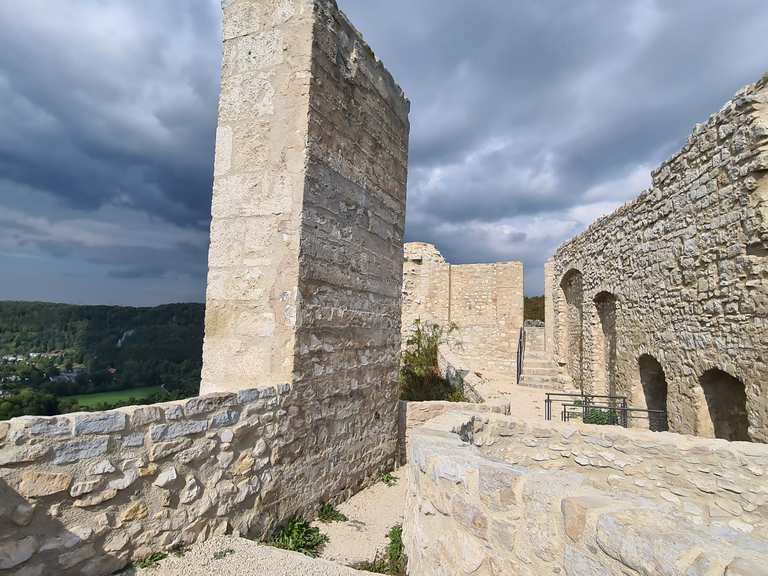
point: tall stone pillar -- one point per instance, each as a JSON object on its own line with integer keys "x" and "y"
{"x": 306, "y": 255}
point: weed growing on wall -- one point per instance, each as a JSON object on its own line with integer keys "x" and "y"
{"x": 420, "y": 377}
{"x": 298, "y": 536}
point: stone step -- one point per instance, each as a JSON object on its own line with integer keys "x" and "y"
{"x": 529, "y": 371}
{"x": 537, "y": 364}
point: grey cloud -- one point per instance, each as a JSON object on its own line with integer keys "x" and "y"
{"x": 528, "y": 119}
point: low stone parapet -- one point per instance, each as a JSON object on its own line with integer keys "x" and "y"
{"x": 84, "y": 494}
{"x": 471, "y": 512}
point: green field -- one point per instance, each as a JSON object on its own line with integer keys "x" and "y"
{"x": 91, "y": 400}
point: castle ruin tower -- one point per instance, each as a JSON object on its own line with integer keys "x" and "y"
{"x": 305, "y": 263}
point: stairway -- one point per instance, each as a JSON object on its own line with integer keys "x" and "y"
{"x": 538, "y": 370}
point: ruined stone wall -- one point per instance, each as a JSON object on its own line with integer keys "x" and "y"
{"x": 87, "y": 493}
{"x": 306, "y": 244}
{"x": 485, "y": 301}
{"x": 687, "y": 265}
{"x": 300, "y": 363}
{"x": 486, "y": 498}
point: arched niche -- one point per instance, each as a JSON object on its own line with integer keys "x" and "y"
{"x": 605, "y": 344}
{"x": 726, "y": 406}
{"x": 653, "y": 382}
{"x": 572, "y": 322}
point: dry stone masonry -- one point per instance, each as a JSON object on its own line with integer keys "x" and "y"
{"x": 302, "y": 342}
{"x": 491, "y": 495}
{"x": 485, "y": 301}
{"x": 666, "y": 300}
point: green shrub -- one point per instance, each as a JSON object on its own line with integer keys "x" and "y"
{"x": 393, "y": 562}
{"x": 328, "y": 514}
{"x": 601, "y": 417}
{"x": 298, "y": 536}
{"x": 420, "y": 377}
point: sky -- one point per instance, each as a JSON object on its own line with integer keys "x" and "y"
{"x": 528, "y": 121}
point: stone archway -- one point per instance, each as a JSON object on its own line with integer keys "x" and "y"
{"x": 653, "y": 382}
{"x": 725, "y": 415}
{"x": 605, "y": 345}
{"x": 572, "y": 321}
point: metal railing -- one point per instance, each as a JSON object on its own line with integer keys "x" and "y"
{"x": 520, "y": 355}
{"x": 599, "y": 409}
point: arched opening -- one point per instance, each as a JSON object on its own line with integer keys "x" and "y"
{"x": 572, "y": 286}
{"x": 654, "y": 386}
{"x": 726, "y": 400}
{"x": 605, "y": 344}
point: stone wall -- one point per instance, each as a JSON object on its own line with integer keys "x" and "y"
{"x": 87, "y": 493}
{"x": 677, "y": 280}
{"x": 485, "y": 301}
{"x": 471, "y": 512}
{"x": 301, "y": 354}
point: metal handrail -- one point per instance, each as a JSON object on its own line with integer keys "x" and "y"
{"x": 520, "y": 355}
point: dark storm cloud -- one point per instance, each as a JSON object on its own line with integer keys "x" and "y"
{"x": 529, "y": 119}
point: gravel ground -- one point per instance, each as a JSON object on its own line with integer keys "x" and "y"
{"x": 240, "y": 557}
{"x": 371, "y": 514}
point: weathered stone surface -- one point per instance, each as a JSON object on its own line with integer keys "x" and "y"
{"x": 15, "y": 552}
{"x": 484, "y": 301}
{"x": 38, "y": 484}
{"x": 303, "y": 302}
{"x": 467, "y": 512}
{"x": 662, "y": 301}
{"x": 23, "y": 454}
{"x": 100, "y": 468}
{"x": 100, "y": 423}
{"x": 165, "y": 449}
{"x": 166, "y": 477}
{"x": 77, "y": 450}
{"x": 96, "y": 499}
{"x": 136, "y": 511}
{"x": 165, "y": 432}
{"x": 83, "y": 487}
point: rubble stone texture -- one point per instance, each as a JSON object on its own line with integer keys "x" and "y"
{"x": 488, "y": 495}
{"x": 302, "y": 338}
{"x": 485, "y": 301}
{"x": 666, "y": 300}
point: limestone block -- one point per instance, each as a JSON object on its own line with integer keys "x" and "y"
{"x": 100, "y": 423}
{"x": 15, "y": 552}
{"x": 39, "y": 484}
{"x": 77, "y": 450}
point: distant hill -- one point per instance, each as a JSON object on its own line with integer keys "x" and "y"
{"x": 88, "y": 349}
{"x": 534, "y": 308}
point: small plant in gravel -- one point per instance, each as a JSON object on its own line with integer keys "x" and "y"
{"x": 221, "y": 554}
{"x": 180, "y": 551}
{"x": 298, "y": 536}
{"x": 328, "y": 513}
{"x": 393, "y": 562}
{"x": 390, "y": 479}
{"x": 150, "y": 561}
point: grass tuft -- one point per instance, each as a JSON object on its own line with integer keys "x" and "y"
{"x": 390, "y": 479}
{"x": 150, "y": 561}
{"x": 393, "y": 562}
{"x": 221, "y": 554}
{"x": 298, "y": 536}
{"x": 328, "y": 513}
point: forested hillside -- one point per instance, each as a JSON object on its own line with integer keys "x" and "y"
{"x": 66, "y": 350}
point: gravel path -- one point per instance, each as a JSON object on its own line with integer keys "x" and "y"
{"x": 240, "y": 557}
{"x": 371, "y": 514}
